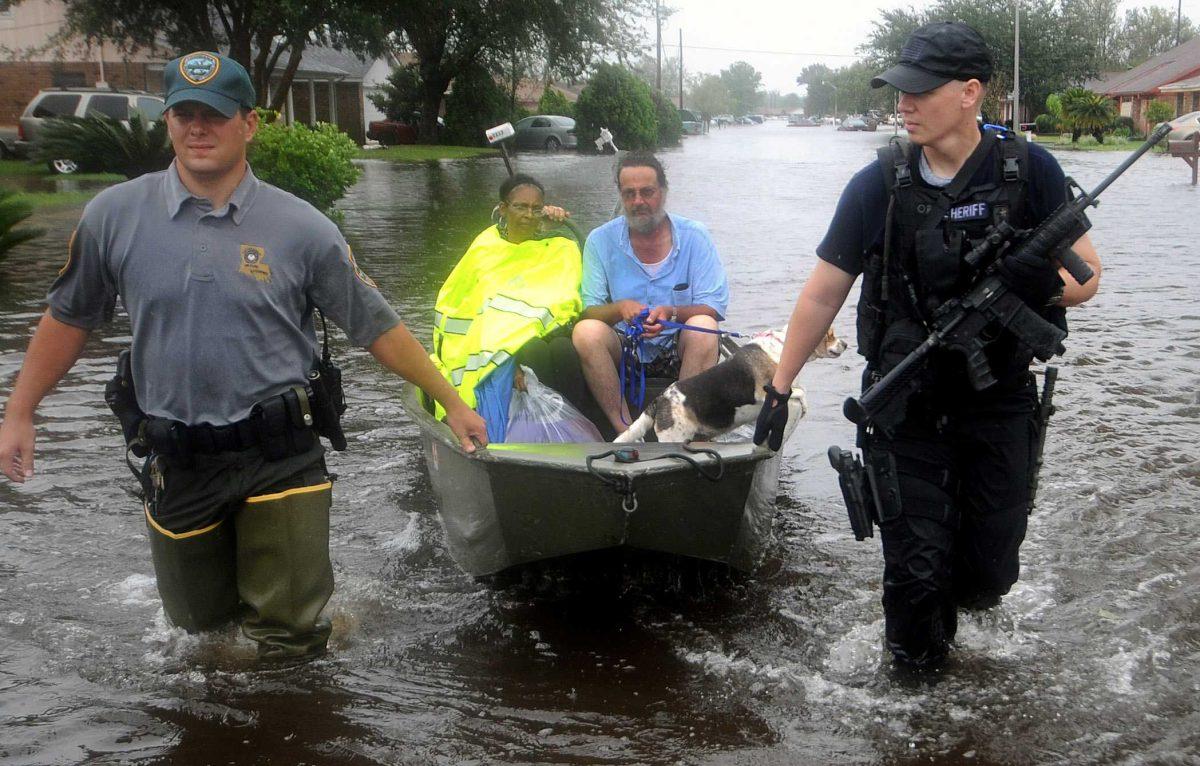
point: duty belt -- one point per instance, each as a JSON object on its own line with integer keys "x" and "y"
{"x": 280, "y": 425}
{"x": 166, "y": 436}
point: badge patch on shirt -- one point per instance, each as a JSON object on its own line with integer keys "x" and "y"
{"x": 974, "y": 211}
{"x": 253, "y": 264}
{"x": 199, "y": 67}
{"x": 362, "y": 275}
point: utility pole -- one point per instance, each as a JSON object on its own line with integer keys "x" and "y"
{"x": 658, "y": 45}
{"x": 681, "y": 67}
{"x": 1016, "y": 116}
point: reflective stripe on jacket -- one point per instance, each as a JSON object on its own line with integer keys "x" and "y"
{"x": 500, "y": 296}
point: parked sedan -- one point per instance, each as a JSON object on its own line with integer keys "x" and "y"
{"x": 857, "y": 123}
{"x": 545, "y": 131}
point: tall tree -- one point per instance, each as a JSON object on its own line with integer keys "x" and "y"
{"x": 819, "y": 89}
{"x": 709, "y": 96}
{"x": 1148, "y": 32}
{"x": 259, "y": 34}
{"x": 742, "y": 81}
{"x": 645, "y": 67}
{"x": 450, "y": 35}
{"x": 1055, "y": 51}
{"x": 1096, "y": 22}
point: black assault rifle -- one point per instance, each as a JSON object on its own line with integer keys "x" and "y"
{"x": 959, "y": 323}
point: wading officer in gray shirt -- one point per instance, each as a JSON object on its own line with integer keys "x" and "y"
{"x": 220, "y": 274}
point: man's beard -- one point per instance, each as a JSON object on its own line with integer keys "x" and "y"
{"x": 645, "y": 223}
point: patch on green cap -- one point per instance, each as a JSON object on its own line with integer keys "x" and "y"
{"x": 198, "y": 68}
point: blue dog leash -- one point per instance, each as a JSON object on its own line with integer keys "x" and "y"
{"x": 633, "y": 371}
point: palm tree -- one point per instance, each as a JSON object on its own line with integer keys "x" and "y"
{"x": 12, "y": 212}
{"x": 105, "y": 144}
{"x": 1086, "y": 112}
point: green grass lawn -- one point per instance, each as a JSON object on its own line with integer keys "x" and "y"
{"x": 23, "y": 169}
{"x": 1087, "y": 143}
{"x": 44, "y": 200}
{"x": 424, "y": 152}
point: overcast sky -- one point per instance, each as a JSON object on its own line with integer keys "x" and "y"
{"x": 790, "y": 33}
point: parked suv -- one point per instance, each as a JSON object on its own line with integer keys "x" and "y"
{"x": 80, "y": 102}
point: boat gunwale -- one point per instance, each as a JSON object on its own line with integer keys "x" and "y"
{"x": 441, "y": 433}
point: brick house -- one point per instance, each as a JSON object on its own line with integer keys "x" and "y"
{"x": 1171, "y": 76}
{"x": 328, "y": 86}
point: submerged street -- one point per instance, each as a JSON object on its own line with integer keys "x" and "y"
{"x": 1093, "y": 658}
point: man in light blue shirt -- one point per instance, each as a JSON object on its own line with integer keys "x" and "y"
{"x": 647, "y": 259}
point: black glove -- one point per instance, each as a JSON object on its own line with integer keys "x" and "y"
{"x": 772, "y": 418}
{"x": 1034, "y": 278}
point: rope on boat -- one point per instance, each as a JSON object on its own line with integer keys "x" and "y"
{"x": 623, "y": 484}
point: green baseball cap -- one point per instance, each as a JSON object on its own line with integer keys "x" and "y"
{"x": 211, "y": 79}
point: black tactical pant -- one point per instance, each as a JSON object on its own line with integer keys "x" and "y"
{"x": 953, "y": 538}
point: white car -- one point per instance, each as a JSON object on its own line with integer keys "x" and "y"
{"x": 1184, "y": 126}
{"x": 80, "y": 102}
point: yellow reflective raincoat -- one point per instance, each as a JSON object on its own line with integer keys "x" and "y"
{"x": 500, "y": 296}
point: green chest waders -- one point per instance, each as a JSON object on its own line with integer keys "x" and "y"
{"x": 195, "y": 573}
{"x": 284, "y": 574}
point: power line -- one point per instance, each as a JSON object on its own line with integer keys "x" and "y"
{"x": 773, "y": 53}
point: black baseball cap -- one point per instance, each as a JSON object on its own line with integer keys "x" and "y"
{"x": 937, "y": 53}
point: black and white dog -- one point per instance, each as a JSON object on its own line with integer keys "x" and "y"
{"x": 726, "y": 396}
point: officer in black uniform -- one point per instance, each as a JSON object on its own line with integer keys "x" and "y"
{"x": 957, "y": 461}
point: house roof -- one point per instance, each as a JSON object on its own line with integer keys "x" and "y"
{"x": 1179, "y": 62}
{"x": 1189, "y": 83}
{"x": 1100, "y": 84}
{"x": 530, "y": 91}
{"x": 318, "y": 59}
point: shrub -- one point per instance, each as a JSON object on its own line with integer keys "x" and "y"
{"x": 554, "y": 102}
{"x": 475, "y": 104}
{"x": 1086, "y": 112}
{"x": 1159, "y": 111}
{"x": 1126, "y": 123}
{"x": 312, "y": 163}
{"x": 1121, "y": 132}
{"x": 1045, "y": 123}
{"x": 105, "y": 144}
{"x": 400, "y": 97}
{"x": 12, "y": 213}
{"x": 668, "y": 121}
{"x": 616, "y": 99}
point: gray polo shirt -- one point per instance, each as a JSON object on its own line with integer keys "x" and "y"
{"x": 221, "y": 301}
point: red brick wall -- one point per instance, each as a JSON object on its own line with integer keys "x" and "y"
{"x": 20, "y": 81}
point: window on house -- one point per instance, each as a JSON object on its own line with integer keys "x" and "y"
{"x": 1179, "y": 104}
{"x": 1196, "y": 101}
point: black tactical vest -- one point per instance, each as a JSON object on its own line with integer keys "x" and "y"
{"x": 927, "y": 233}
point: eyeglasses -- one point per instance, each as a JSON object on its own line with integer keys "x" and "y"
{"x": 524, "y": 208}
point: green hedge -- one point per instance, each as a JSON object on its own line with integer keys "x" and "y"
{"x": 475, "y": 104}
{"x": 670, "y": 124}
{"x": 616, "y": 99}
{"x": 312, "y": 163}
{"x": 554, "y": 102}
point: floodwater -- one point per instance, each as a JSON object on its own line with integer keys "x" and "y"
{"x": 1093, "y": 658}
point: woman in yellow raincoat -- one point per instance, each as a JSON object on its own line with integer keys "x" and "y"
{"x": 518, "y": 282}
